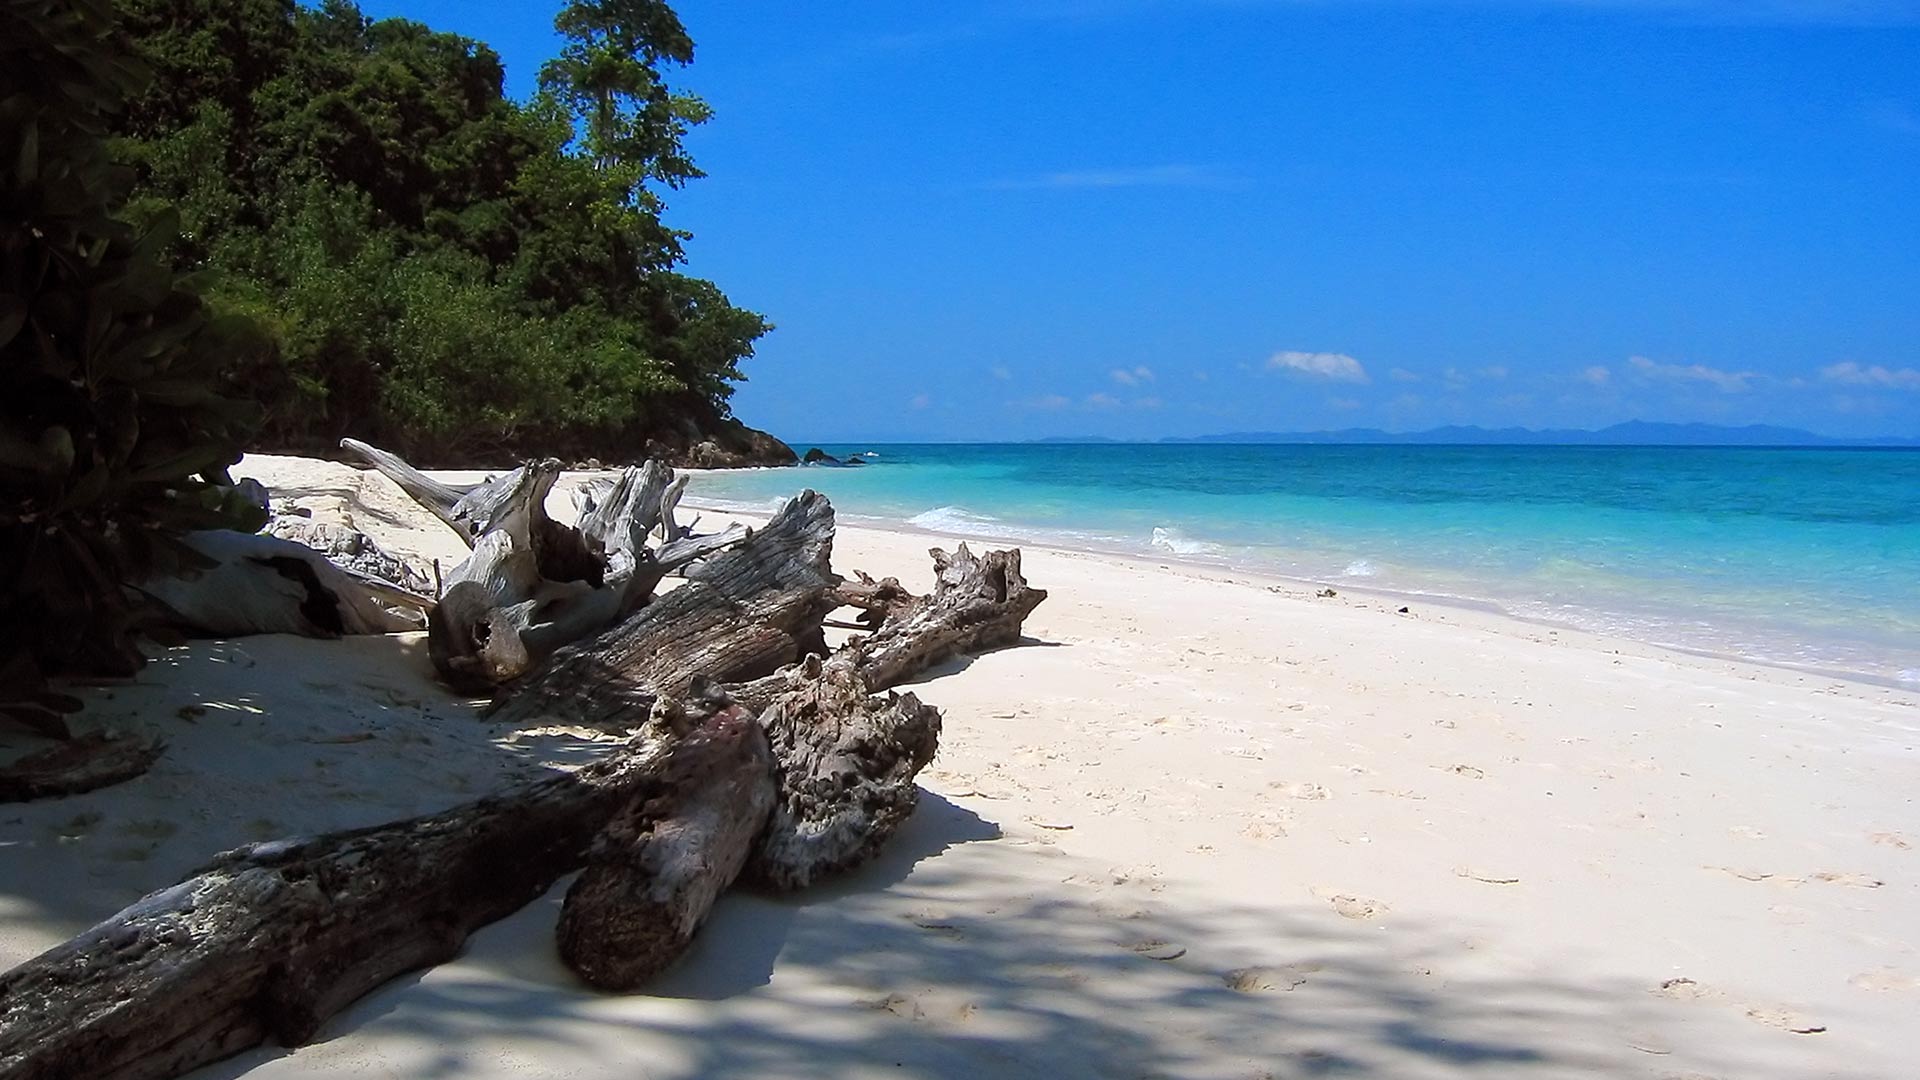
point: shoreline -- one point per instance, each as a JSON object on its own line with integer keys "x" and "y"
{"x": 1481, "y": 607}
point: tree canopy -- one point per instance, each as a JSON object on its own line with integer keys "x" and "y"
{"x": 441, "y": 269}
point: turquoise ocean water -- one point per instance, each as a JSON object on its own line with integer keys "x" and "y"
{"x": 1804, "y": 557}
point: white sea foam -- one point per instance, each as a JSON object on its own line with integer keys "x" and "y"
{"x": 956, "y": 519}
{"x": 1177, "y": 542}
{"x": 1910, "y": 675}
{"x": 1358, "y": 568}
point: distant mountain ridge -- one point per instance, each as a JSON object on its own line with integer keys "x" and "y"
{"x": 1631, "y": 433}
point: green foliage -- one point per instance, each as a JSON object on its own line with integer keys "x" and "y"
{"x": 122, "y": 403}
{"x": 442, "y": 270}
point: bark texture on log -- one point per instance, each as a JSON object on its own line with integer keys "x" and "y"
{"x": 847, "y": 762}
{"x": 878, "y": 601}
{"x": 85, "y": 763}
{"x": 270, "y": 940}
{"x": 354, "y": 550}
{"x": 741, "y": 614}
{"x": 977, "y": 603}
{"x": 655, "y": 871}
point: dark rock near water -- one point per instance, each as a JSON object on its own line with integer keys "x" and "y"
{"x": 725, "y": 444}
{"x": 817, "y": 456}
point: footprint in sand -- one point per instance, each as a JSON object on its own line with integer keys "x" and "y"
{"x": 1885, "y": 980}
{"x": 75, "y": 828}
{"x": 1890, "y": 839}
{"x": 1255, "y": 980}
{"x": 1155, "y": 949}
{"x": 1789, "y": 914}
{"x": 1468, "y": 771}
{"x": 1785, "y": 1020}
{"x": 1685, "y": 990}
{"x": 936, "y": 922}
{"x": 1357, "y": 907}
{"x": 1298, "y": 790}
{"x": 1858, "y": 881}
{"x": 1748, "y": 832}
{"x": 919, "y": 1007}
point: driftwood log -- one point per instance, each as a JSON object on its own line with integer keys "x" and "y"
{"x": 533, "y": 585}
{"x": 94, "y": 760}
{"x": 783, "y": 767}
{"x": 260, "y": 584}
{"x": 271, "y": 939}
{"x": 657, "y": 868}
{"x": 741, "y": 614}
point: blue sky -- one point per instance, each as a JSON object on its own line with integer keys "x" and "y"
{"x": 1133, "y": 219}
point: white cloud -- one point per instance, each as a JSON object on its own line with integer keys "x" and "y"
{"x": 1146, "y": 403}
{"x": 1001, "y": 372}
{"x": 1727, "y": 382}
{"x": 1135, "y": 377}
{"x": 1454, "y": 378}
{"x": 1401, "y": 374}
{"x": 1598, "y": 375}
{"x": 1102, "y": 401}
{"x": 1047, "y": 402}
{"x": 920, "y": 401}
{"x": 1338, "y": 367}
{"x": 1852, "y": 374}
{"x": 1493, "y": 371}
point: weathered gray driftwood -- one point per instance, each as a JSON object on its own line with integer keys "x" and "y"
{"x": 977, "y": 603}
{"x": 84, "y": 763}
{"x": 846, "y": 765}
{"x": 270, "y": 940}
{"x": 533, "y": 585}
{"x": 797, "y": 773}
{"x": 260, "y": 584}
{"x": 469, "y": 510}
{"x": 354, "y": 551}
{"x": 656, "y": 869}
{"x": 740, "y": 614}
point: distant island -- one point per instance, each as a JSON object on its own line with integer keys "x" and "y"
{"x": 1631, "y": 433}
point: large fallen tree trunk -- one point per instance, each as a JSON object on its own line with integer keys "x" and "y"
{"x": 657, "y": 868}
{"x": 270, "y": 940}
{"x": 741, "y": 614}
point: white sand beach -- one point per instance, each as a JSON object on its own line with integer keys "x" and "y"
{"x": 1200, "y": 825}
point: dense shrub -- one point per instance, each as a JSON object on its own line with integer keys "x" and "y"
{"x": 122, "y": 398}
